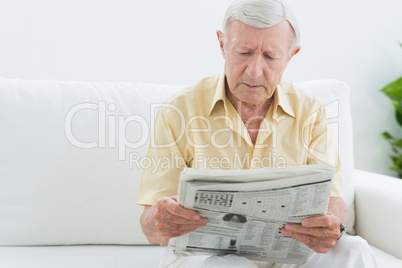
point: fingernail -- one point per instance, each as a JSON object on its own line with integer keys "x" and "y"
{"x": 196, "y": 217}
{"x": 284, "y": 231}
{"x": 289, "y": 227}
{"x": 204, "y": 221}
{"x": 305, "y": 223}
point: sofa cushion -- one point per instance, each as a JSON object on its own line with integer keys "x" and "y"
{"x": 71, "y": 158}
{"x": 105, "y": 256}
{"x": 378, "y": 210}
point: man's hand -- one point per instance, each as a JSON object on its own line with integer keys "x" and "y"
{"x": 169, "y": 219}
{"x": 320, "y": 233}
{"x": 173, "y": 220}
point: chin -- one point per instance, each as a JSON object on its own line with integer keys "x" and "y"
{"x": 254, "y": 100}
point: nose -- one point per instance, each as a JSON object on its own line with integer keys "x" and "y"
{"x": 255, "y": 66}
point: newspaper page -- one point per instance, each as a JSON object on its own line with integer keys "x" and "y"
{"x": 247, "y": 208}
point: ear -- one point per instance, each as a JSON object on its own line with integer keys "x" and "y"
{"x": 220, "y": 36}
{"x": 294, "y": 52}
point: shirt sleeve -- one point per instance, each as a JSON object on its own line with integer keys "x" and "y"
{"x": 166, "y": 157}
{"x": 323, "y": 147}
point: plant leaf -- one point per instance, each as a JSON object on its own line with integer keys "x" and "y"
{"x": 398, "y": 105}
{"x": 395, "y": 168}
{"x": 394, "y": 90}
{"x": 387, "y": 136}
{"x": 396, "y": 143}
{"x": 398, "y": 115}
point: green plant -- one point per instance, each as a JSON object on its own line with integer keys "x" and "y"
{"x": 394, "y": 92}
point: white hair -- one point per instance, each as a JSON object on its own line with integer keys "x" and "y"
{"x": 262, "y": 14}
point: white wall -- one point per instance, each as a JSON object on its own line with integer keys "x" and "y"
{"x": 174, "y": 42}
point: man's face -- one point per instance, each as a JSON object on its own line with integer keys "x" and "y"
{"x": 255, "y": 59}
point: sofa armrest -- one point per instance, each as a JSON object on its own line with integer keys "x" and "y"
{"x": 378, "y": 204}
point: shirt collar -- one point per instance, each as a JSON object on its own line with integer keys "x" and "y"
{"x": 220, "y": 93}
{"x": 280, "y": 98}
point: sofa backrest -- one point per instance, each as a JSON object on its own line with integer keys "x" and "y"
{"x": 72, "y": 153}
{"x": 335, "y": 95}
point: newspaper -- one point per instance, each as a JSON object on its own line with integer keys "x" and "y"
{"x": 246, "y": 210}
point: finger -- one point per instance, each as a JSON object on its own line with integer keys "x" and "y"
{"x": 328, "y": 221}
{"x": 316, "y": 244}
{"x": 297, "y": 228}
{"x": 319, "y": 249}
{"x": 322, "y": 233}
{"x": 169, "y": 226}
{"x": 165, "y": 241}
{"x": 179, "y": 220}
{"x": 179, "y": 228}
{"x": 314, "y": 241}
{"x": 173, "y": 230}
{"x": 170, "y": 205}
{"x": 165, "y": 216}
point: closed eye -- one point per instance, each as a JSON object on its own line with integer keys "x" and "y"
{"x": 268, "y": 57}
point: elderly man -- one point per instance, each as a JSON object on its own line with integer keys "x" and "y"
{"x": 242, "y": 116}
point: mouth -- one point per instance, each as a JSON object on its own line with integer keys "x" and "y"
{"x": 252, "y": 86}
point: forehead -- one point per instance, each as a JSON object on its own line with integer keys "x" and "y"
{"x": 279, "y": 36}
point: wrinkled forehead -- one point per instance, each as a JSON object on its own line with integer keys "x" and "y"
{"x": 278, "y": 36}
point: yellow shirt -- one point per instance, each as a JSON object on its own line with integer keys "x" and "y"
{"x": 200, "y": 128}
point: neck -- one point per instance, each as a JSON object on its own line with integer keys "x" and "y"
{"x": 251, "y": 114}
{"x": 249, "y": 111}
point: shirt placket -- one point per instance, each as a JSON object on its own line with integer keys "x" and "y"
{"x": 262, "y": 154}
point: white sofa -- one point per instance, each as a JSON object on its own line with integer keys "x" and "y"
{"x": 71, "y": 156}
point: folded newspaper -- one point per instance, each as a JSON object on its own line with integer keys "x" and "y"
{"x": 246, "y": 210}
